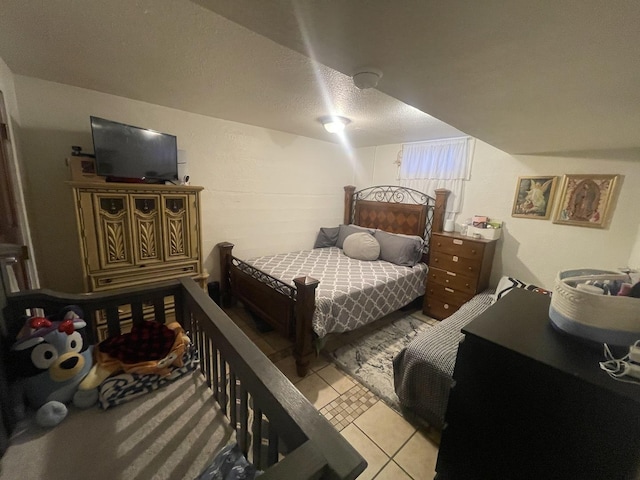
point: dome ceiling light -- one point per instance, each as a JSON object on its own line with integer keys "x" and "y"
{"x": 367, "y": 77}
{"x": 334, "y": 124}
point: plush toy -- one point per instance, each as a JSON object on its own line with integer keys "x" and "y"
{"x": 52, "y": 356}
{"x": 150, "y": 348}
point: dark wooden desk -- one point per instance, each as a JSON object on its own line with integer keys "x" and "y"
{"x": 532, "y": 402}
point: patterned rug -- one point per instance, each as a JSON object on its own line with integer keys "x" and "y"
{"x": 369, "y": 357}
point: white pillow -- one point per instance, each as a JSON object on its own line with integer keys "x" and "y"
{"x": 361, "y": 246}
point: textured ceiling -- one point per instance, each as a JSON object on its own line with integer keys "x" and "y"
{"x": 178, "y": 54}
{"x": 527, "y": 77}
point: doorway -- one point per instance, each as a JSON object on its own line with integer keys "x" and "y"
{"x": 9, "y": 222}
{"x": 13, "y": 215}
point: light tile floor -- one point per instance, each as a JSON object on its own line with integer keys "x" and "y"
{"x": 393, "y": 447}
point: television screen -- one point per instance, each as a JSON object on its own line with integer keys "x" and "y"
{"x": 127, "y": 152}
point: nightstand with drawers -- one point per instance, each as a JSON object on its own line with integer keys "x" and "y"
{"x": 459, "y": 267}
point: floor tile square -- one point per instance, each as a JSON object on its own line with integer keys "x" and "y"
{"x": 418, "y": 457}
{"x": 337, "y": 379}
{"x": 374, "y": 456}
{"x": 385, "y": 427}
{"x": 287, "y": 366}
{"x": 316, "y": 390}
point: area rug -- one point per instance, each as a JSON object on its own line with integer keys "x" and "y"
{"x": 369, "y": 357}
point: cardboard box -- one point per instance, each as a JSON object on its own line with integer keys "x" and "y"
{"x": 83, "y": 169}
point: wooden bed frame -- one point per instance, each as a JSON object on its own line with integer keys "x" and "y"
{"x": 289, "y": 309}
{"x": 244, "y": 383}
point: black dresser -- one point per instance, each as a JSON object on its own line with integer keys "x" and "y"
{"x": 530, "y": 402}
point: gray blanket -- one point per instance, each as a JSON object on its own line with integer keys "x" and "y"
{"x": 352, "y": 293}
{"x": 423, "y": 370}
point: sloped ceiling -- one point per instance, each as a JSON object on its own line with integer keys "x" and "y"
{"x": 527, "y": 77}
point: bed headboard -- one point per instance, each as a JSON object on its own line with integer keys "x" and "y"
{"x": 395, "y": 209}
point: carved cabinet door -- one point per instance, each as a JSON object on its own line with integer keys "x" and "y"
{"x": 113, "y": 230}
{"x": 147, "y": 229}
{"x": 177, "y": 218}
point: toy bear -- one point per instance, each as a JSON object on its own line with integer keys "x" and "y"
{"x": 52, "y": 357}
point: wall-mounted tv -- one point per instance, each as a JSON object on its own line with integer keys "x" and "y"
{"x": 127, "y": 152}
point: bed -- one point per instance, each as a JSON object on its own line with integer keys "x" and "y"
{"x": 423, "y": 370}
{"x": 234, "y": 394}
{"x": 302, "y": 294}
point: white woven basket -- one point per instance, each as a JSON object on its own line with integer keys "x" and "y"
{"x": 601, "y": 318}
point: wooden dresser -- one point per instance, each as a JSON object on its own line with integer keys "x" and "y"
{"x": 134, "y": 234}
{"x": 530, "y": 402}
{"x": 459, "y": 267}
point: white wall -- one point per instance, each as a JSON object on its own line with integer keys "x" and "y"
{"x": 265, "y": 191}
{"x": 268, "y": 191}
{"x": 634, "y": 258}
{"x": 535, "y": 250}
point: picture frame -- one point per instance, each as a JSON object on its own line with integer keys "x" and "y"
{"x": 534, "y": 197}
{"x": 585, "y": 200}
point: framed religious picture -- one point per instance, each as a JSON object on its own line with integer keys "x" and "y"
{"x": 534, "y": 197}
{"x": 585, "y": 200}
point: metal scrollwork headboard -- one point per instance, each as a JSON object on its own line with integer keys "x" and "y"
{"x": 394, "y": 209}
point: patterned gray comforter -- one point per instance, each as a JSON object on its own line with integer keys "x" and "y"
{"x": 423, "y": 370}
{"x": 352, "y": 293}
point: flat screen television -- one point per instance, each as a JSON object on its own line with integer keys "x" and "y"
{"x": 125, "y": 152}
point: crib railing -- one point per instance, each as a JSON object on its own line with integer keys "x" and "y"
{"x": 276, "y": 426}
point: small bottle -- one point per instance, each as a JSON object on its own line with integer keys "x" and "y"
{"x": 464, "y": 229}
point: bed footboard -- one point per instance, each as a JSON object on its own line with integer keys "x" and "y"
{"x": 276, "y": 427}
{"x": 287, "y": 309}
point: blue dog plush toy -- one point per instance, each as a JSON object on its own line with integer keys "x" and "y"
{"x": 52, "y": 356}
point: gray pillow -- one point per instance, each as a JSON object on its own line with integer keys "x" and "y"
{"x": 346, "y": 230}
{"x": 361, "y": 246}
{"x": 404, "y": 250}
{"x": 327, "y": 237}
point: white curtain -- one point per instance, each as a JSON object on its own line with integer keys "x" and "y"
{"x": 446, "y": 163}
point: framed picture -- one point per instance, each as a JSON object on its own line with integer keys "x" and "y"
{"x": 534, "y": 197}
{"x": 585, "y": 200}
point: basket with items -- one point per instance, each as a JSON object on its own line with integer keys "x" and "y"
{"x": 482, "y": 227}
{"x": 597, "y": 305}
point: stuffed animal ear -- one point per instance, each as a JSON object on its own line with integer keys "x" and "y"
{"x": 70, "y": 312}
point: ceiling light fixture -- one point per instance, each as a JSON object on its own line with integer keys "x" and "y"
{"x": 367, "y": 77}
{"x": 334, "y": 124}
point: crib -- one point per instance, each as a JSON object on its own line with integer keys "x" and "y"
{"x": 276, "y": 427}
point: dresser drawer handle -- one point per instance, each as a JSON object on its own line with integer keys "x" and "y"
{"x": 473, "y": 251}
{"x": 446, "y": 306}
{"x": 450, "y": 290}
